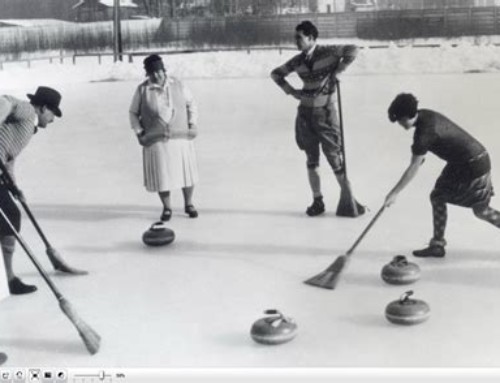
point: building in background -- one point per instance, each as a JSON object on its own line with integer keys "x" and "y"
{"x": 98, "y": 10}
{"x": 435, "y": 4}
{"x": 102, "y": 10}
{"x": 29, "y": 23}
{"x": 43, "y": 9}
{"x": 331, "y": 6}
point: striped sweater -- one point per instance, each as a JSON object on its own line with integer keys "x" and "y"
{"x": 317, "y": 73}
{"x": 17, "y": 125}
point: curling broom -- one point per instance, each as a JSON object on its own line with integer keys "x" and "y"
{"x": 347, "y": 206}
{"x": 54, "y": 256}
{"x": 90, "y": 338}
{"x": 328, "y": 279}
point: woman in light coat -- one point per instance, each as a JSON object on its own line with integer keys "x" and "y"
{"x": 163, "y": 115}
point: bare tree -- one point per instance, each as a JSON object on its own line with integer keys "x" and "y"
{"x": 313, "y": 6}
{"x": 157, "y": 8}
{"x": 147, "y": 7}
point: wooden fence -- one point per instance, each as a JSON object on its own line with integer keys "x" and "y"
{"x": 451, "y": 22}
{"x": 383, "y": 25}
{"x": 246, "y": 32}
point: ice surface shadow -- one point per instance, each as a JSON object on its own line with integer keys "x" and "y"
{"x": 482, "y": 277}
{"x": 372, "y": 279}
{"x": 190, "y": 247}
{"x": 57, "y": 274}
{"x": 455, "y": 256}
{"x": 296, "y": 213}
{"x": 73, "y": 347}
{"x": 110, "y": 212}
{"x": 469, "y": 268}
{"x": 210, "y": 251}
{"x": 93, "y": 212}
{"x": 244, "y": 340}
{"x": 462, "y": 267}
{"x": 367, "y": 320}
{"x": 236, "y": 339}
{"x": 125, "y": 247}
{"x": 371, "y": 256}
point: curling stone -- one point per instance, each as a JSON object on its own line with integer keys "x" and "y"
{"x": 274, "y": 329}
{"x": 158, "y": 235}
{"x": 407, "y": 311}
{"x": 3, "y": 358}
{"x": 400, "y": 272}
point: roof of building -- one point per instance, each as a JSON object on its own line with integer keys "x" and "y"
{"x": 110, "y": 3}
{"x": 31, "y": 22}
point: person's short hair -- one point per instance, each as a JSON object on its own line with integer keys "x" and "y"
{"x": 308, "y": 29}
{"x": 152, "y": 63}
{"x": 404, "y": 105}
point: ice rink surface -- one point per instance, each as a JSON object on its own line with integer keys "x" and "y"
{"x": 191, "y": 304}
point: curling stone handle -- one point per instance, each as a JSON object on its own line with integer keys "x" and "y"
{"x": 272, "y": 312}
{"x": 279, "y": 316}
{"x": 400, "y": 260}
{"x": 405, "y": 297}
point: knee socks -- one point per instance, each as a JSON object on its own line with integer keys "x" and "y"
{"x": 489, "y": 215}
{"x": 440, "y": 217}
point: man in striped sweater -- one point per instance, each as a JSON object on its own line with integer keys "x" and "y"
{"x": 19, "y": 121}
{"x": 317, "y": 122}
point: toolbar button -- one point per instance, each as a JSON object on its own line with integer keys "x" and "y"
{"x": 19, "y": 376}
{"x": 35, "y": 375}
{"x": 5, "y": 376}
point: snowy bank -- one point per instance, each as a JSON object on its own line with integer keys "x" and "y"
{"x": 404, "y": 57}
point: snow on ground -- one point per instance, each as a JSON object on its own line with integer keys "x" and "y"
{"x": 192, "y": 304}
{"x": 453, "y": 56}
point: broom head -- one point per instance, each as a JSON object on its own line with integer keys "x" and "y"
{"x": 60, "y": 265}
{"x": 328, "y": 279}
{"x": 90, "y": 338}
{"x": 348, "y": 206}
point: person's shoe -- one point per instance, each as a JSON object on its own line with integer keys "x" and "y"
{"x": 191, "y": 211}
{"x": 166, "y": 215}
{"x": 435, "y": 251}
{"x": 317, "y": 207}
{"x": 17, "y": 287}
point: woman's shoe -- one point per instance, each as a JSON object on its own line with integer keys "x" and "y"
{"x": 166, "y": 215}
{"x": 191, "y": 211}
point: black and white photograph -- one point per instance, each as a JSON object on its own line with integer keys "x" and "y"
{"x": 291, "y": 190}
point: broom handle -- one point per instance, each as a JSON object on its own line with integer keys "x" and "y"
{"x": 372, "y": 222}
{"x": 28, "y": 251}
{"x": 341, "y": 124}
{"x": 10, "y": 181}
{"x": 90, "y": 338}
{"x": 35, "y": 223}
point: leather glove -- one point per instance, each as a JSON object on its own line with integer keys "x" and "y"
{"x": 149, "y": 138}
{"x": 12, "y": 188}
{"x": 19, "y": 195}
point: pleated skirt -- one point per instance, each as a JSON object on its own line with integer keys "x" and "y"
{"x": 170, "y": 165}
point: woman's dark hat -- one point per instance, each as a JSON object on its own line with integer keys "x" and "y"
{"x": 49, "y": 97}
{"x": 153, "y": 63}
